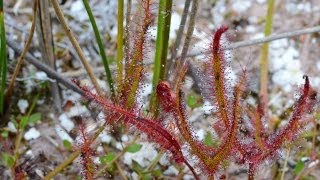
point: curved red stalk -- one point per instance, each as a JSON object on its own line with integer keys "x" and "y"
{"x": 154, "y": 131}
{"x": 229, "y": 113}
{"x": 275, "y": 142}
{"x": 86, "y": 153}
{"x": 293, "y": 125}
{"x": 256, "y": 116}
{"x": 210, "y": 157}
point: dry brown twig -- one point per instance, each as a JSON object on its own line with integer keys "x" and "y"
{"x": 76, "y": 46}
{"x": 61, "y": 79}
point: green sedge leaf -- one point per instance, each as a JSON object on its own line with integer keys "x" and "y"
{"x": 299, "y": 167}
{"x": 7, "y": 160}
{"x": 15, "y": 123}
{"x": 133, "y": 148}
{"x": 157, "y": 173}
{"x": 23, "y": 122}
{"x": 67, "y": 144}
{"x": 34, "y": 118}
{"x": 137, "y": 167}
{"x": 146, "y": 177}
{"x": 107, "y": 158}
{"x": 4, "y": 134}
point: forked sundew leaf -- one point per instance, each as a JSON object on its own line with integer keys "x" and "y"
{"x": 133, "y": 148}
{"x": 299, "y": 167}
{"x": 107, "y": 158}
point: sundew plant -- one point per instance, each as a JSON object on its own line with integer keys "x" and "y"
{"x": 241, "y": 132}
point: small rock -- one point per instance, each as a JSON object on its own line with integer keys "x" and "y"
{"x": 31, "y": 134}
{"x": 171, "y": 171}
{"x": 63, "y": 134}
{"x": 65, "y": 122}
{"x": 23, "y": 105}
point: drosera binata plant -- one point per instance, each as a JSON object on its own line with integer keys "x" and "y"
{"x": 257, "y": 146}
{"x": 250, "y": 148}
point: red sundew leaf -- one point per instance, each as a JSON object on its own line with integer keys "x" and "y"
{"x": 256, "y": 116}
{"x": 165, "y": 96}
{"x": 217, "y": 62}
{"x": 300, "y": 108}
{"x": 86, "y": 155}
{"x": 210, "y": 157}
{"x": 154, "y": 131}
{"x": 288, "y": 133}
{"x": 134, "y": 66}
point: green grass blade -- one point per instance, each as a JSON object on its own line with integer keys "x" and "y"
{"x": 3, "y": 58}
{"x": 264, "y": 59}
{"x": 163, "y": 29}
{"x": 101, "y": 47}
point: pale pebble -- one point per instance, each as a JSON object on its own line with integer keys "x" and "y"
{"x": 66, "y": 122}
{"x": 11, "y": 127}
{"x": 143, "y": 157}
{"x": 32, "y": 133}
{"x": 105, "y": 137}
{"x": 171, "y": 171}
{"x": 63, "y": 134}
{"x": 23, "y": 105}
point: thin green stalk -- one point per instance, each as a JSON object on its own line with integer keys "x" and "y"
{"x": 71, "y": 158}
{"x": 64, "y": 164}
{"x": 285, "y": 165}
{"x": 164, "y": 20}
{"x": 127, "y": 32}
{"x": 21, "y": 129}
{"x": 264, "y": 61}
{"x": 155, "y": 161}
{"x": 120, "y": 40}
{"x": 3, "y": 57}
{"x": 76, "y": 153}
{"x": 101, "y": 48}
{"x": 135, "y": 138}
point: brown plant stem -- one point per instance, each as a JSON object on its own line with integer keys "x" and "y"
{"x": 176, "y": 45}
{"x": 46, "y": 46}
{"x": 241, "y": 44}
{"x": 76, "y": 45}
{"x": 182, "y": 62}
{"x": 182, "y": 26}
{"x": 23, "y": 54}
